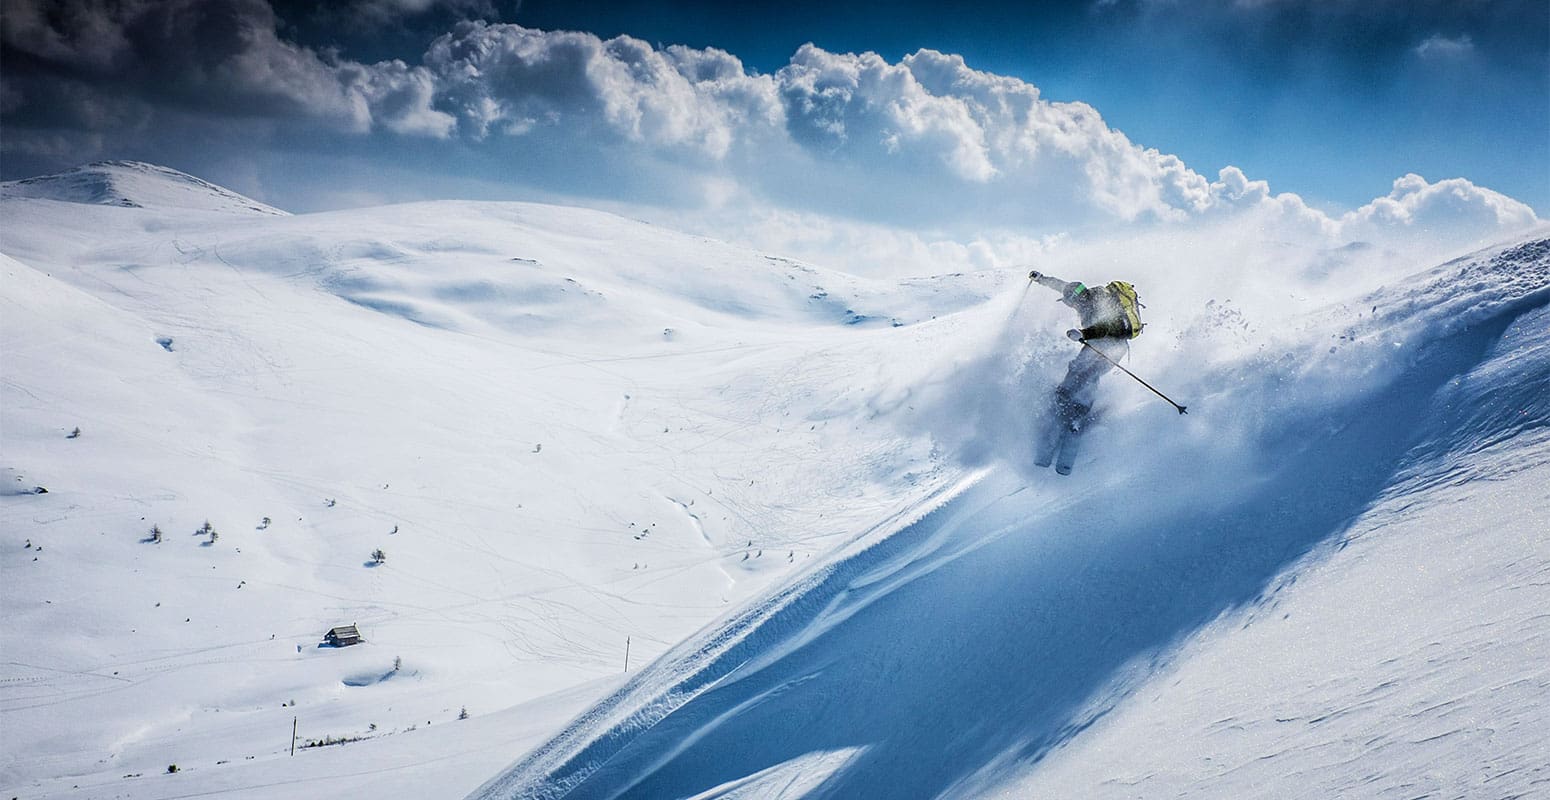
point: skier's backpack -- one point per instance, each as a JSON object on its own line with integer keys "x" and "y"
{"x": 1130, "y": 305}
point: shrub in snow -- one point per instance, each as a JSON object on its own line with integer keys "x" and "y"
{"x": 155, "y": 536}
{"x": 328, "y": 741}
{"x": 462, "y": 713}
{"x": 377, "y": 556}
{"x": 171, "y": 768}
{"x": 398, "y": 663}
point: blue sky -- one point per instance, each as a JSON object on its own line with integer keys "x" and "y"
{"x": 963, "y": 122}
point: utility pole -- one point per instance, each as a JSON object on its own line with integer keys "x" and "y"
{"x": 626, "y": 654}
{"x": 293, "y": 735}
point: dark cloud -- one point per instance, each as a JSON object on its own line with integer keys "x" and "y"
{"x": 99, "y": 65}
{"x": 381, "y": 30}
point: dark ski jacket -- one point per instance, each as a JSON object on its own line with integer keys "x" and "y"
{"x": 1100, "y": 311}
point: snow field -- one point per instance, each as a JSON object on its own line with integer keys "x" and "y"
{"x": 553, "y": 493}
{"x": 801, "y": 496}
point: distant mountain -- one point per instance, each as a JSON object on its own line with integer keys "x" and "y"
{"x": 135, "y": 184}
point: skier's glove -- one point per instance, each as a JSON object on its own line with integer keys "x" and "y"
{"x": 1034, "y": 275}
{"x": 1075, "y": 335}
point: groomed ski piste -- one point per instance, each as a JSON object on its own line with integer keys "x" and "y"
{"x": 804, "y": 498}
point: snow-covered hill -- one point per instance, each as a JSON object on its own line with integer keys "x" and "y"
{"x": 795, "y": 494}
{"x": 569, "y": 433}
{"x": 135, "y": 184}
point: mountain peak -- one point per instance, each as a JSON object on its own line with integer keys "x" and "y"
{"x": 135, "y": 184}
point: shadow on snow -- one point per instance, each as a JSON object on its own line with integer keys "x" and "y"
{"x": 987, "y": 632}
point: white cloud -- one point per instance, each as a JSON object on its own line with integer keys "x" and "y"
{"x": 1453, "y": 209}
{"x": 920, "y": 165}
{"x": 860, "y": 106}
{"x": 928, "y": 122}
{"x": 398, "y": 98}
{"x": 915, "y": 163}
{"x": 506, "y": 79}
{"x": 1442, "y": 48}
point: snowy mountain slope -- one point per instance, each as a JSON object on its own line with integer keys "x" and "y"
{"x": 1427, "y": 677}
{"x": 1018, "y": 619}
{"x": 557, "y": 424}
{"x": 135, "y": 184}
{"x": 568, "y": 432}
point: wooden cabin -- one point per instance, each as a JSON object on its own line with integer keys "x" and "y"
{"x": 342, "y": 636}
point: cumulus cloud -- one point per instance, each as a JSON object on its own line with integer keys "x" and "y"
{"x": 860, "y": 106}
{"x": 825, "y": 123}
{"x": 822, "y": 121}
{"x": 978, "y": 167}
{"x": 398, "y": 97}
{"x": 931, "y": 114}
{"x": 506, "y": 79}
{"x": 1452, "y": 208}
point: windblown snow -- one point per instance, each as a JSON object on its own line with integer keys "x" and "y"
{"x": 621, "y": 512}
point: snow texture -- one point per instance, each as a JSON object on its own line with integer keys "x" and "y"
{"x": 801, "y": 499}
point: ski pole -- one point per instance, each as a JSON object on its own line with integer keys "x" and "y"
{"x": 1013, "y": 313}
{"x": 1133, "y": 375}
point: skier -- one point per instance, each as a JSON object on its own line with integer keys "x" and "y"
{"x": 1110, "y": 317}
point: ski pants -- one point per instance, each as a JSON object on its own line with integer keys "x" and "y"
{"x": 1074, "y": 396}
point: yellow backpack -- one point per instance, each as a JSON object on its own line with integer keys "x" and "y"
{"x": 1130, "y": 304}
